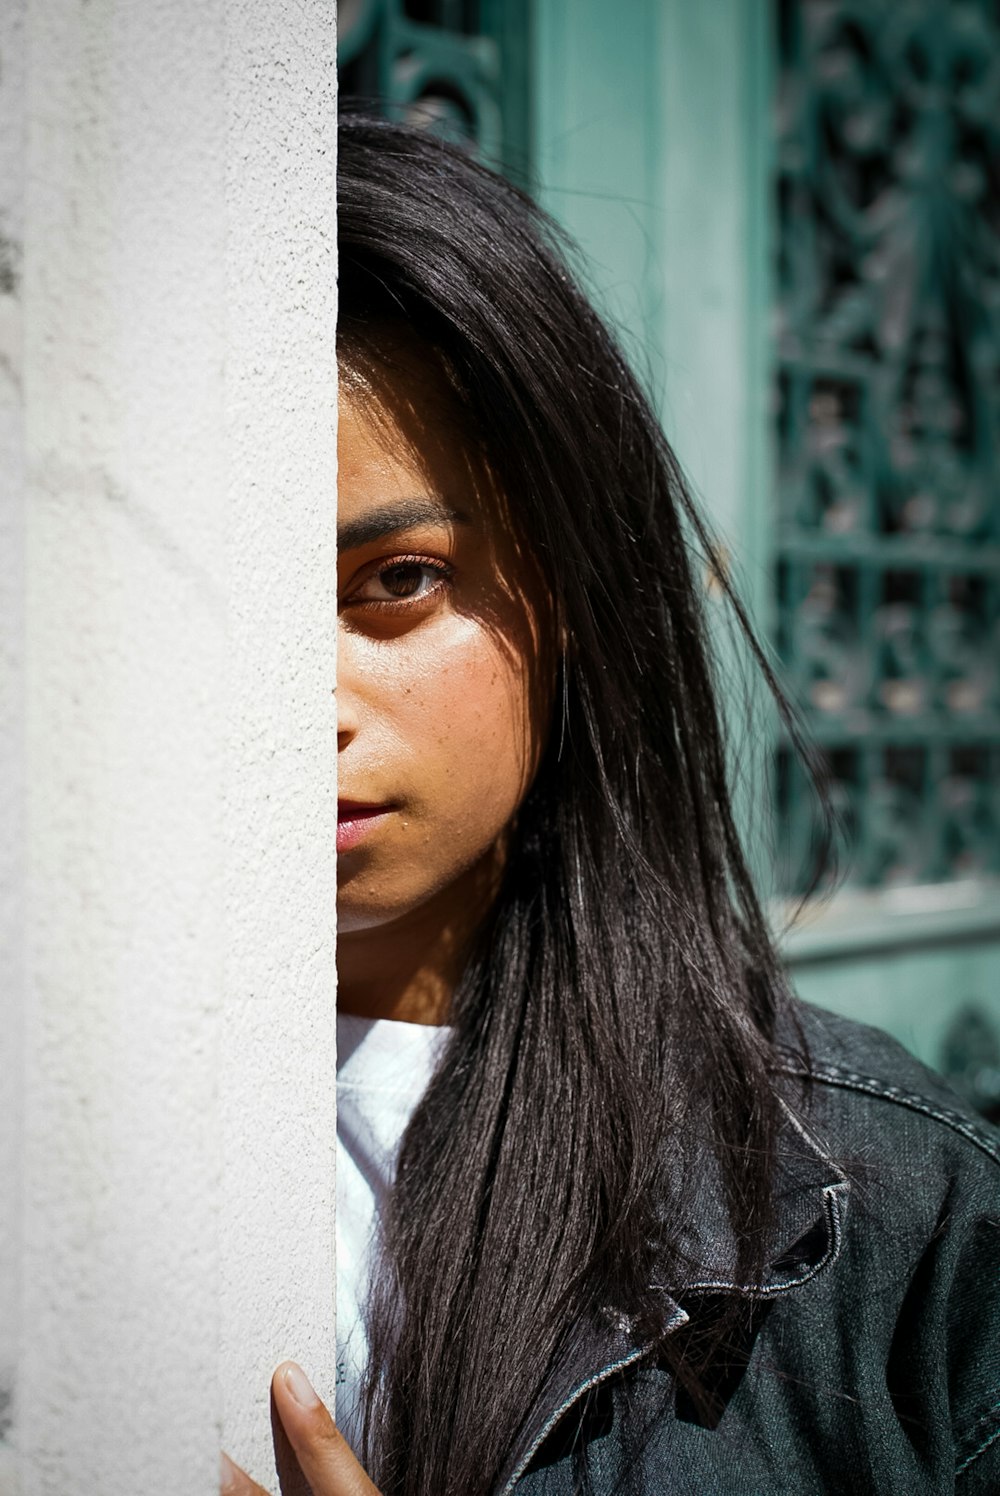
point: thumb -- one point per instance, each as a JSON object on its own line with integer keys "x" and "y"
{"x": 324, "y": 1455}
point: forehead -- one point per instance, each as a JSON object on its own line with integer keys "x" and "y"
{"x": 383, "y": 488}
{"x": 402, "y": 433}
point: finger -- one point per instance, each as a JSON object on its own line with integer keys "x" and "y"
{"x": 236, "y": 1482}
{"x": 326, "y": 1458}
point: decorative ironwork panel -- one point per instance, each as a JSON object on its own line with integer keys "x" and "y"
{"x": 456, "y": 66}
{"x": 888, "y": 426}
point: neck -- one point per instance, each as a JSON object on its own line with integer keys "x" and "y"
{"x": 408, "y": 969}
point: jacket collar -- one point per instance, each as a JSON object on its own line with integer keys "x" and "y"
{"x": 811, "y": 1197}
{"x": 810, "y": 1205}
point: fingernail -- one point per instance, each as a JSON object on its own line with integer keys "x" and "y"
{"x": 227, "y": 1474}
{"x": 298, "y": 1385}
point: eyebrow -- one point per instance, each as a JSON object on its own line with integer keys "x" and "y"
{"x": 404, "y": 515}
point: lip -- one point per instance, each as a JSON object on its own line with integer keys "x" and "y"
{"x": 355, "y": 820}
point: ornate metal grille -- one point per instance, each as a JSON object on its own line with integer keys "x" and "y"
{"x": 888, "y": 426}
{"x": 458, "y": 66}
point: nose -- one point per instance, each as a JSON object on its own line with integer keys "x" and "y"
{"x": 347, "y": 699}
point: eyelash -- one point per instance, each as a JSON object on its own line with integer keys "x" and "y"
{"x": 443, "y": 572}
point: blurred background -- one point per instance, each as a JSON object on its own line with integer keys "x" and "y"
{"x": 790, "y": 209}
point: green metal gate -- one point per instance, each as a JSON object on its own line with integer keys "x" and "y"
{"x": 887, "y": 342}
{"x": 458, "y": 66}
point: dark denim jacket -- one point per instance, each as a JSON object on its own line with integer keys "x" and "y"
{"x": 873, "y": 1361}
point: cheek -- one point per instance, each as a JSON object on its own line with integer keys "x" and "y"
{"x": 446, "y": 728}
{"x": 466, "y": 723}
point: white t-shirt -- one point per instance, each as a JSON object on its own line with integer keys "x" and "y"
{"x": 383, "y": 1069}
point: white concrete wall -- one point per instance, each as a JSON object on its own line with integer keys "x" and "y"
{"x": 177, "y": 420}
{"x": 11, "y": 699}
{"x": 278, "y": 1053}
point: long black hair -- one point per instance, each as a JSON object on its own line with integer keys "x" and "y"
{"x": 614, "y": 1027}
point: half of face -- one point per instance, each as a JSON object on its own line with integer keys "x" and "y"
{"x": 444, "y": 669}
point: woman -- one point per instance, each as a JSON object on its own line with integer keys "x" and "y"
{"x": 644, "y": 1222}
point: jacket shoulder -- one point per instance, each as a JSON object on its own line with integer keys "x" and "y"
{"x": 924, "y": 1178}
{"x": 853, "y": 1066}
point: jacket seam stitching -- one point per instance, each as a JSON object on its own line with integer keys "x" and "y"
{"x": 635, "y": 1355}
{"x": 991, "y": 1437}
{"x": 849, "y": 1080}
{"x": 833, "y": 1206}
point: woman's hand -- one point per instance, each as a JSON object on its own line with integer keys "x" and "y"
{"x": 318, "y": 1458}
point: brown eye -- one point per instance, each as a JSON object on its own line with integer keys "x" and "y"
{"x": 403, "y": 581}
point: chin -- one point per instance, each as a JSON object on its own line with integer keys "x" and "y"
{"x": 361, "y": 908}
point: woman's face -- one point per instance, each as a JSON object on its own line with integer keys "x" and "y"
{"x": 442, "y": 692}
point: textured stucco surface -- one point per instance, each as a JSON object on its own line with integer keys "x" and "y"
{"x": 279, "y": 1067}
{"x": 178, "y": 309}
{"x": 11, "y": 699}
